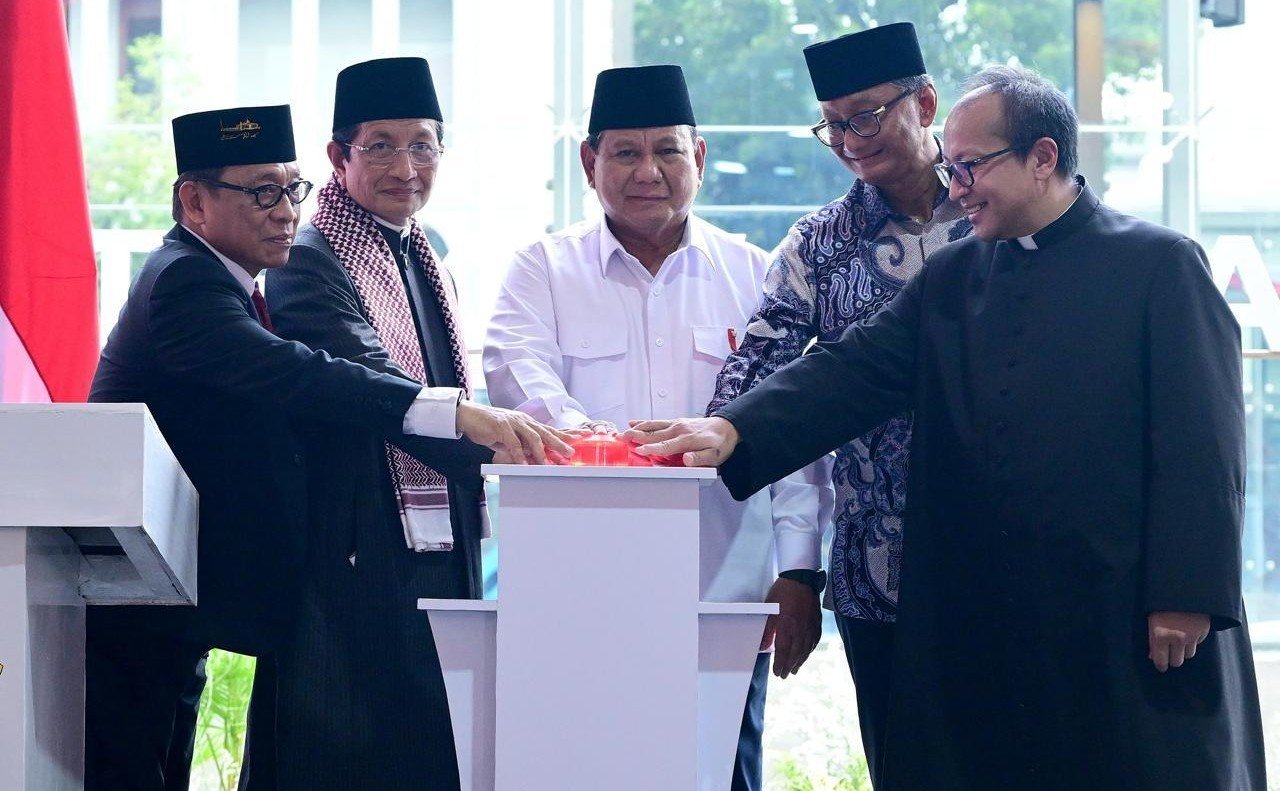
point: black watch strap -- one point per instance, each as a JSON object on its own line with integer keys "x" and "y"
{"x": 814, "y": 578}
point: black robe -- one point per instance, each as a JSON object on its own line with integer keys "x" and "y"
{"x": 1078, "y": 463}
{"x": 359, "y": 696}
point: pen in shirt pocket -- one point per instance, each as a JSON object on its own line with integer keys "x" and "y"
{"x": 733, "y": 339}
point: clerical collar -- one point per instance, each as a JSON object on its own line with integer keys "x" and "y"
{"x": 1080, "y": 210}
{"x": 403, "y": 230}
{"x": 238, "y": 272}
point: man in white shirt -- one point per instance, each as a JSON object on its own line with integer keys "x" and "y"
{"x": 632, "y": 317}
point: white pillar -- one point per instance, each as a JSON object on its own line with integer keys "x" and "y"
{"x": 303, "y": 99}
{"x": 208, "y": 36}
{"x": 93, "y": 60}
{"x": 386, "y": 28}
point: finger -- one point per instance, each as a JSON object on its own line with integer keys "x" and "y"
{"x": 649, "y": 425}
{"x": 1177, "y": 651}
{"x": 531, "y": 441}
{"x": 766, "y": 639}
{"x": 503, "y": 456}
{"x": 1190, "y": 649}
{"x": 783, "y": 647}
{"x": 660, "y": 432}
{"x": 662, "y": 445}
{"x": 1160, "y": 654}
{"x": 703, "y": 458}
{"x": 550, "y": 440}
{"x": 555, "y": 440}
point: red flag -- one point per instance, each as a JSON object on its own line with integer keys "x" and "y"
{"x": 48, "y": 279}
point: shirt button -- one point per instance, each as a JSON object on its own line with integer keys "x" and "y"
{"x": 662, "y": 392}
{"x": 1004, "y": 392}
{"x": 656, "y": 291}
{"x": 1012, "y": 363}
{"x": 585, "y": 344}
{"x": 659, "y": 342}
{"x": 1001, "y": 425}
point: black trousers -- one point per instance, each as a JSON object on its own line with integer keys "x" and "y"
{"x": 142, "y": 694}
{"x": 748, "y": 766}
{"x": 868, "y": 647}
{"x": 259, "y": 770}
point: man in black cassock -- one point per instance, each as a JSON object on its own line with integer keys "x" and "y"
{"x": 194, "y": 343}
{"x": 358, "y": 694}
{"x": 1070, "y": 609}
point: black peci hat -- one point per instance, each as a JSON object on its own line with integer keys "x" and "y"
{"x": 637, "y": 97}
{"x": 862, "y": 60}
{"x": 234, "y": 136}
{"x": 382, "y": 89}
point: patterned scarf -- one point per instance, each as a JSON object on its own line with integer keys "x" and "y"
{"x": 421, "y": 493}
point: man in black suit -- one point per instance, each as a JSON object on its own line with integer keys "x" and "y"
{"x": 1071, "y": 614}
{"x": 195, "y": 343}
{"x": 359, "y": 694}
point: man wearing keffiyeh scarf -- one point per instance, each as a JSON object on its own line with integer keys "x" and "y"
{"x": 356, "y": 700}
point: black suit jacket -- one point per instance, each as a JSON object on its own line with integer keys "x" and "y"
{"x": 222, "y": 390}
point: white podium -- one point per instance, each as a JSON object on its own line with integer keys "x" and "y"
{"x": 598, "y": 667}
{"x": 93, "y": 508}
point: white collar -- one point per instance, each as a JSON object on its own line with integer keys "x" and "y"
{"x": 238, "y": 272}
{"x": 403, "y": 230}
{"x": 1028, "y": 242}
{"x": 693, "y": 238}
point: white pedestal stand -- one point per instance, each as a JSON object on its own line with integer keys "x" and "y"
{"x": 599, "y": 668}
{"x": 93, "y": 507}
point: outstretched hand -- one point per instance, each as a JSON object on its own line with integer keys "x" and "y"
{"x": 514, "y": 437}
{"x": 702, "y": 441}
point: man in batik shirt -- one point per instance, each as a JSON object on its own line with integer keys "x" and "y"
{"x": 840, "y": 265}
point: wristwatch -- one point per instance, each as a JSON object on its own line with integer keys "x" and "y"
{"x": 814, "y": 578}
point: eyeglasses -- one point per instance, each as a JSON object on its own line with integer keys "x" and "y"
{"x": 867, "y": 124}
{"x": 963, "y": 171}
{"x": 268, "y": 195}
{"x": 381, "y": 154}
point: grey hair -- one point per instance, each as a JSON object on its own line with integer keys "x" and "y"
{"x": 917, "y": 83}
{"x": 1033, "y": 108}
{"x": 593, "y": 141}
{"x": 204, "y": 174}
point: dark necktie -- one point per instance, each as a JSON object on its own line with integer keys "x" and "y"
{"x": 260, "y": 305}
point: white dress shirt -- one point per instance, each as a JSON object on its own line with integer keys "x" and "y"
{"x": 582, "y": 331}
{"x": 433, "y": 413}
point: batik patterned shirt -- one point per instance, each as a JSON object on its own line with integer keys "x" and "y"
{"x": 837, "y": 266}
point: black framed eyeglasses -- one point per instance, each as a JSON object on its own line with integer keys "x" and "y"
{"x": 382, "y": 154}
{"x": 268, "y": 195}
{"x": 867, "y": 124}
{"x": 963, "y": 171}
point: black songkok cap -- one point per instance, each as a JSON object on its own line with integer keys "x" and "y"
{"x": 638, "y": 97}
{"x": 382, "y": 89}
{"x": 862, "y": 60}
{"x": 235, "y": 136}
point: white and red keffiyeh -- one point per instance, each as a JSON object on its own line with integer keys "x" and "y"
{"x": 421, "y": 493}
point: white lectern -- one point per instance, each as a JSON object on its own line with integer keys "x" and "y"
{"x": 93, "y": 508}
{"x": 598, "y": 667}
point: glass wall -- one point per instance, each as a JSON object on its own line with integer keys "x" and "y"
{"x": 1175, "y": 118}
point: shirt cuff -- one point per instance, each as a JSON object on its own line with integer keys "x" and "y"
{"x": 434, "y": 413}
{"x": 797, "y": 550}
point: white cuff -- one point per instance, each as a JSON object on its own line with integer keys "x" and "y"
{"x": 797, "y": 549}
{"x": 434, "y": 413}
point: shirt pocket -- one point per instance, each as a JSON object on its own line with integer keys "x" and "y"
{"x": 595, "y": 359}
{"x": 710, "y": 349}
